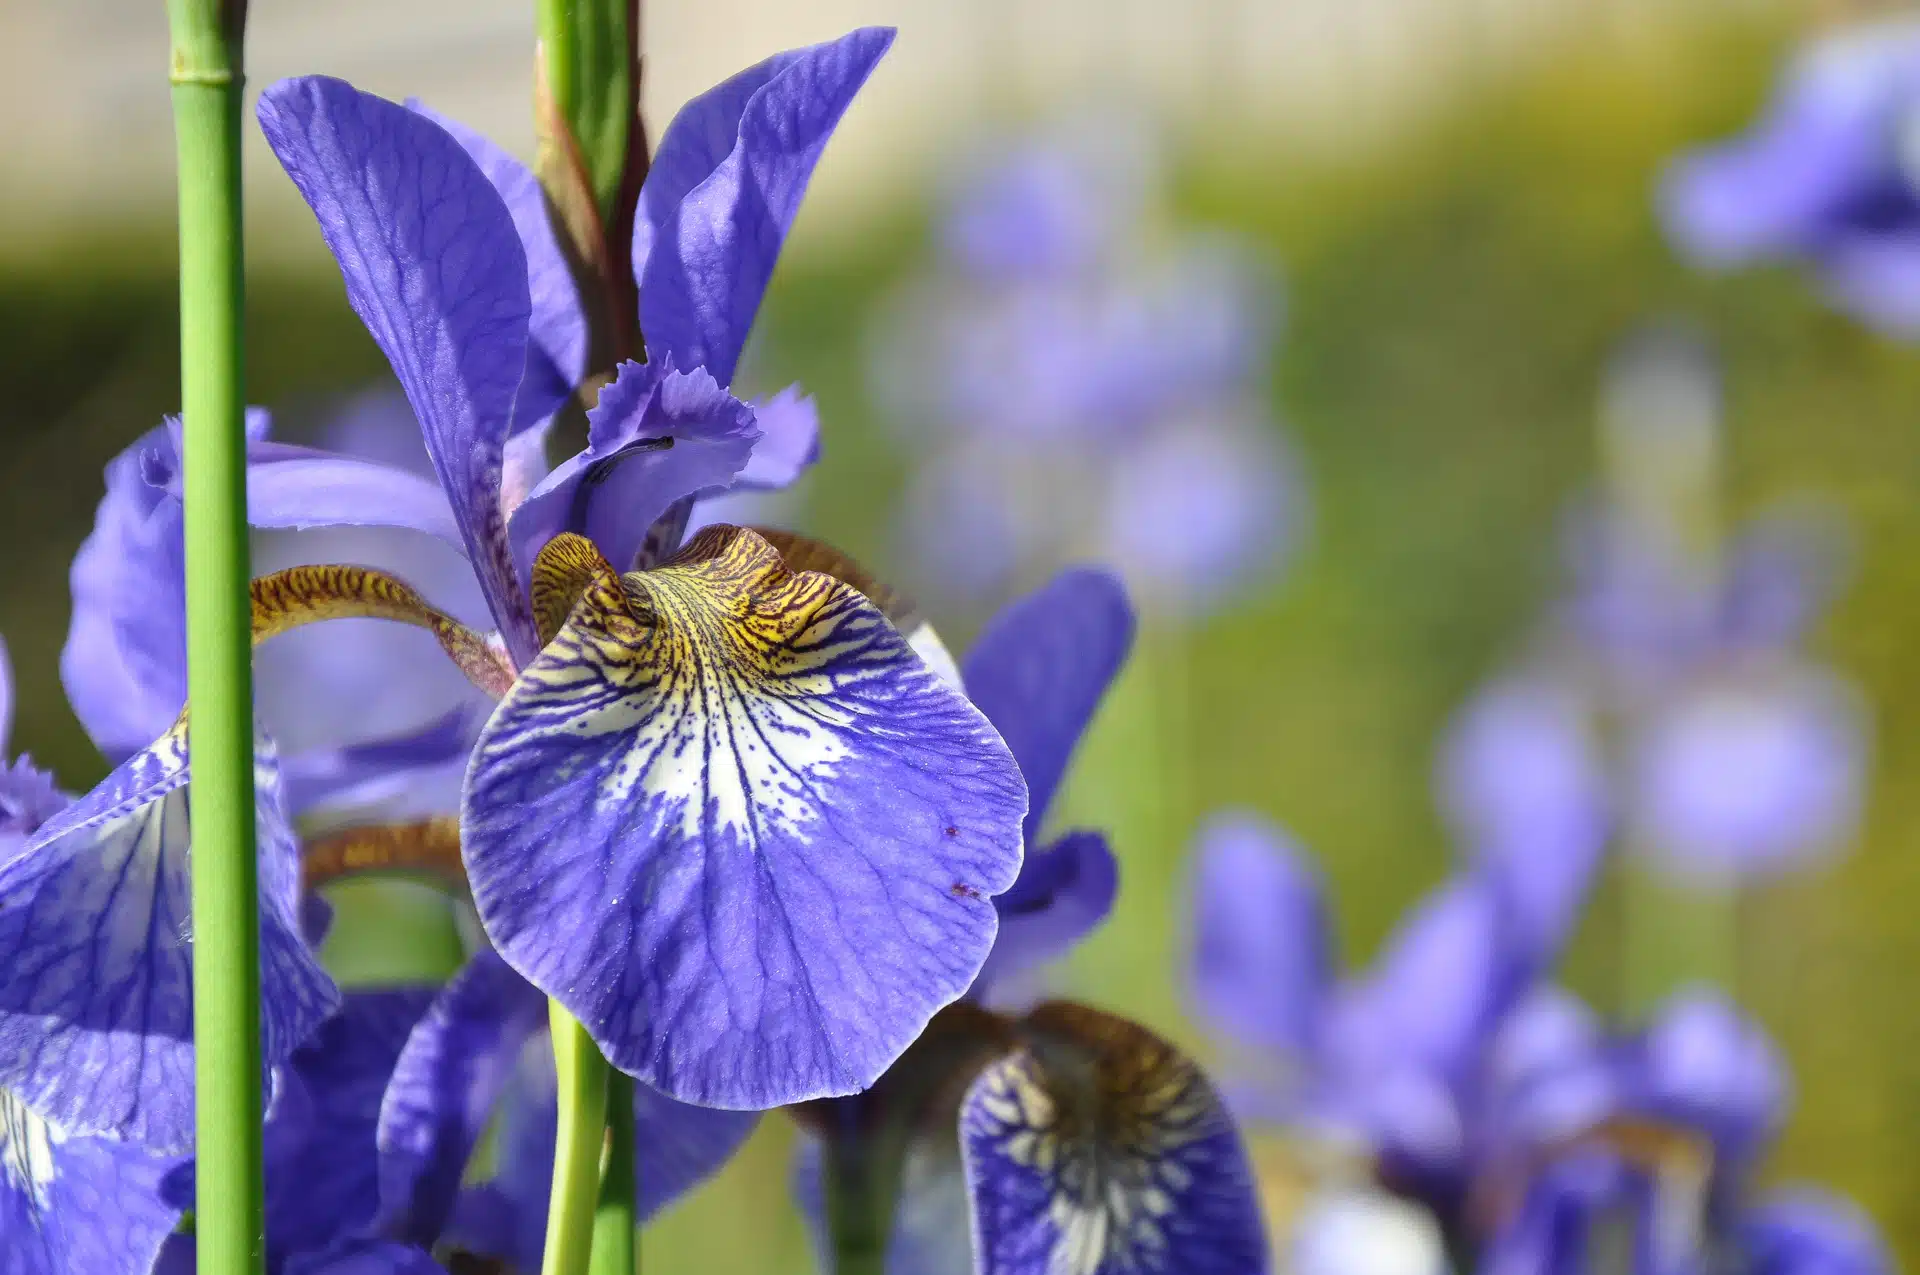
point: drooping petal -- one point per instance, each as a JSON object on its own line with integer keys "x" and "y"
{"x": 96, "y": 1015}
{"x": 1099, "y": 1149}
{"x": 749, "y": 841}
{"x": 434, "y": 268}
{"x": 557, "y": 329}
{"x": 723, "y": 190}
{"x": 1040, "y": 668}
{"x": 1064, "y": 892}
{"x": 124, "y": 665}
{"x": 1262, "y": 954}
{"x": 789, "y": 425}
{"x": 76, "y": 1205}
{"x": 656, "y": 435}
{"x": 445, "y": 1087}
{"x": 1802, "y": 1231}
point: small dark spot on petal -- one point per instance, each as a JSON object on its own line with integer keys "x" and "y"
{"x": 961, "y": 890}
{"x": 952, "y": 831}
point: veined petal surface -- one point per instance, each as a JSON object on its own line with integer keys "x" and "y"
{"x": 557, "y": 330}
{"x": 435, "y": 269}
{"x": 1039, "y": 671}
{"x": 96, "y": 1011}
{"x": 1099, "y": 1149}
{"x": 724, "y": 188}
{"x": 76, "y": 1205}
{"x": 740, "y": 829}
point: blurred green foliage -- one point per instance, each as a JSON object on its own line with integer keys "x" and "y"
{"x": 1450, "y": 302}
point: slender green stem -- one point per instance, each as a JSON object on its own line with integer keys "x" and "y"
{"x": 615, "y": 1247}
{"x": 862, "y": 1176}
{"x": 577, "y": 1145}
{"x": 553, "y": 23}
{"x": 592, "y": 71}
{"x": 1675, "y": 934}
{"x": 206, "y": 74}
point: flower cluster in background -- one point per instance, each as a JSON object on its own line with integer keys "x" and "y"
{"x": 1077, "y": 379}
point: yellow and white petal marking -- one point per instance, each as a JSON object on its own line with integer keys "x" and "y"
{"x": 1098, "y": 1149}
{"x": 737, "y": 826}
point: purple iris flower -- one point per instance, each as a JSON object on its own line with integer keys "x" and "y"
{"x": 1076, "y": 395}
{"x": 1648, "y": 1142}
{"x": 1391, "y": 1060}
{"x": 725, "y": 814}
{"x": 980, "y": 1144}
{"x": 1677, "y": 713}
{"x": 1827, "y": 176}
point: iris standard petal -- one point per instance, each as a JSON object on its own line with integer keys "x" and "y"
{"x": 76, "y": 1205}
{"x": 1040, "y": 668}
{"x": 723, "y": 190}
{"x": 557, "y": 329}
{"x": 738, "y": 828}
{"x": 656, "y": 435}
{"x": 1099, "y": 1149}
{"x": 96, "y": 1015}
{"x": 445, "y": 1087}
{"x": 124, "y": 665}
{"x": 385, "y": 774}
{"x": 434, "y": 268}
{"x": 1262, "y": 953}
{"x": 1705, "y": 1065}
{"x": 1064, "y": 892}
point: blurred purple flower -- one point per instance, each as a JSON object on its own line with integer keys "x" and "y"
{"x": 1828, "y": 176}
{"x": 1070, "y": 394}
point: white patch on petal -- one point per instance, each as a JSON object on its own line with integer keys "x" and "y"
{"x": 26, "y": 1150}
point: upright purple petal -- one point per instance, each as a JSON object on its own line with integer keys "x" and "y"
{"x": 446, "y": 1083}
{"x": 1704, "y": 1065}
{"x": 28, "y": 798}
{"x": 1065, "y": 891}
{"x": 1434, "y": 996}
{"x": 434, "y": 268}
{"x": 557, "y": 330}
{"x": 1262, "y": 954}
{"x": 723, "y": 191}
{"x": 750, "y": 843}
{"x": 1040, "y": 668}
{"x": 1099, "y": 1148}
{"x": 655, "y": 436}
{"x": 96, "y": 945}
{"x": 76, "y": 1205}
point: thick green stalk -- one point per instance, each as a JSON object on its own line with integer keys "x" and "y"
{"x": 577, "y": 1144}
{"x": 615, "y": 1247}
{"x": 206, "y": 76}
{"x": 862, "y": 1174}
{"x": 592, "y": 76}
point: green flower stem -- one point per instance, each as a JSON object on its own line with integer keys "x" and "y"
{"x": 1676, "y": 935}
{"x": 592, "y": 71}
{"x": 577, "y": 1145}
{"x": 206, "y": 75}
{"x": 615, "y": 1247}
{"x": 862, "y": 1175}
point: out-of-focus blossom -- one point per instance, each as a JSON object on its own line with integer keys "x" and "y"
{"x": 1669, "y": 703}
{"x": 1643, "y": 1146}
{"x": 1829, "y": 175}
{"x": 1070, "y": 389}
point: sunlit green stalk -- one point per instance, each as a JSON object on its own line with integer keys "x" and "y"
{"x": 577, "y": 1145}
{"x": 615, "y": 1250}
{"x": 206, "y": 74}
